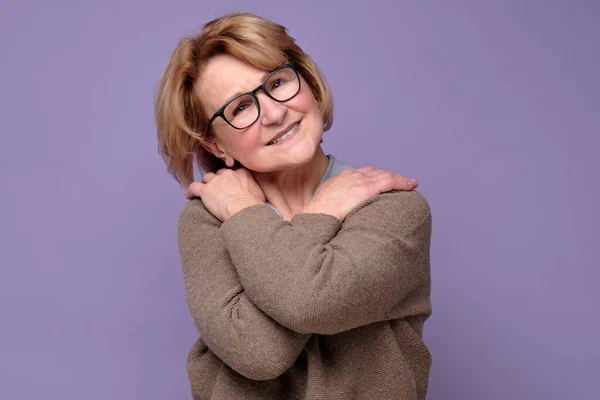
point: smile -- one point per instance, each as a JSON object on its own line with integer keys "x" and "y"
{"x": 286, "y": 135}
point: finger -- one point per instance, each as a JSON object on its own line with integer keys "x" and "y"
{"x": 375, "y": 173}
{"x": 406, "y": 182}
{"x": 224, "y": 171}
{"x": 391, "y": 181}
{"x": 207, "y": 177}
{"x": 401, "y": 179}
{"x": 368, "y": 168}
{"x": 406, "y": 178}
{"x": 194, "y": 190}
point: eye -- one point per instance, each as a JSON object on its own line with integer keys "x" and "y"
{"x": 240, "y": 108}
{"x": 276, "y": 83}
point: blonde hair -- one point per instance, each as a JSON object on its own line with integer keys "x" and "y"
{"x": 180, "y": 120}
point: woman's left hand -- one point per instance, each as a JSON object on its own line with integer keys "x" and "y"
{"x": 227, "y": 192}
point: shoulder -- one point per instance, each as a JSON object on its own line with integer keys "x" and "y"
{"x": 410, "y": 207}
{"x": 194, "y": 217}
{"x": 412, "y": 202}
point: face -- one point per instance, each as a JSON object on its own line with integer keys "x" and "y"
{"x": 225, "y": 77}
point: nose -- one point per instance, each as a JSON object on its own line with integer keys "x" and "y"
{"x": 271, "y": 112}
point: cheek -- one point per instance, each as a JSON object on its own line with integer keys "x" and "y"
{"x": 305, "y": 102}
{"x": 241, "y": 141}
{"x": 235, "y": 142}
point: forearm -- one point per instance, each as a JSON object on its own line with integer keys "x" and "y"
{"x": 237, "y": 331}
{"x": 246, "y": 339}
{"x": 314, "y": 276}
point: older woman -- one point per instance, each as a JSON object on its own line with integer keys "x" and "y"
{"x": 306, "y": 279}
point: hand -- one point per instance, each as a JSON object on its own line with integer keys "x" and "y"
{"x": 337, "y": 196}
{"x": 227, "y": 192}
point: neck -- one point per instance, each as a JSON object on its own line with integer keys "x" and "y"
{"x": 290, "y": 190}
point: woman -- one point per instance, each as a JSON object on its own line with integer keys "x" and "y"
{"x": 306, "y": 279}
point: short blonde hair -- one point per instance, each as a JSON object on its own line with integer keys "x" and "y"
{"x": 180, "y": 120}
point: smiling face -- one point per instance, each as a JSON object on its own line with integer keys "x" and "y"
{"x": 298, "y": 122}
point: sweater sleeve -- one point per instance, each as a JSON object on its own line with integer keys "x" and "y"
{"x": 239, "y": 333}
{"x": 314, "y": 274}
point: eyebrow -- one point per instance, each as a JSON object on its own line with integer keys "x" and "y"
{"x": 262, "y": 79}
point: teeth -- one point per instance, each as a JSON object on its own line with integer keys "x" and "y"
{"x": 286, "y": 135}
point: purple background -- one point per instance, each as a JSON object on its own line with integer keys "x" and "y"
{"x": 493, "y": 106}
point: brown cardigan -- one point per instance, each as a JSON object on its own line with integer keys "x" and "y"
{"x": 311, "y": 308}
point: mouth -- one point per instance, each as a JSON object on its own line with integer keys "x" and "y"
{"x": 286, "y": 134}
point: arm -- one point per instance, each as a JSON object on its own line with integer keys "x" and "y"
{"x": 233, "y": 328}
{"x": 315, "y": 275}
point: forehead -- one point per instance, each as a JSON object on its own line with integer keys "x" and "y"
{"x": 223, "y": 77}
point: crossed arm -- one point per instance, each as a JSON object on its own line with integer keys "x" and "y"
{"x": 259, "y": 286}
{"x": 238, "y": 332}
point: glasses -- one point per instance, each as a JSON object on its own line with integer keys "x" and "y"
{"x": 243, "y": 110}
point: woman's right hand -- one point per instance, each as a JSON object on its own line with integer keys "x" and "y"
{"x": 339, "y": 195}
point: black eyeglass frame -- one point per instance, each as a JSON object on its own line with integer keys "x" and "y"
{"x": 220, "y": 111}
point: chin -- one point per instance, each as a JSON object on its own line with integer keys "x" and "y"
{"x": 303, "y": 154}
{"x": 290, "y": 160}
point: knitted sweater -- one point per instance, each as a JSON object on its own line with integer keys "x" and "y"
{"x": 311, "y": 308}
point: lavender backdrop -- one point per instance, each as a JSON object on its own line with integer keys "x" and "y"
{"x": 493, "y": 106}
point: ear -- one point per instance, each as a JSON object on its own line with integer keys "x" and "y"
{"x": 213, "y": 147}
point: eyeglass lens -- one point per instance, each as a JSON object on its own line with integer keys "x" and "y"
{"x": 243, "y": 111}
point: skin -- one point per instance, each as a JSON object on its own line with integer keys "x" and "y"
{"x": 286, "y": 174}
